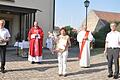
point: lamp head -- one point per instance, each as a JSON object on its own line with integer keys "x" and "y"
{"x": 86, "y": 3}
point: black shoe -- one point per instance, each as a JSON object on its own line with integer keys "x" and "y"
{"x": 32, "y": 62}
{"x": 3, "y": 70}
{"x": 65, "y": 75}
{"x": 110, "y": 75}
{"x": 85, "y": 67}
{"x": 115, "y": 77}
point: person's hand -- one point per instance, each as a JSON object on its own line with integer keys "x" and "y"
{"x": 36, "y": 36}
{"x": 85, "y": 38}
{"x": 1, "y": 40}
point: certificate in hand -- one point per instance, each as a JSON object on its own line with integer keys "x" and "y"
{"x": 35, "y": 36}
{"x": 2, "y": 42}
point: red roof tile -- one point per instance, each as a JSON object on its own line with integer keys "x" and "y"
{"x": 108, "y": 16}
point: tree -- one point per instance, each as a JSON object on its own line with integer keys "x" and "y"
{"x": 118, "y": 25}
{"x": 72, "y": 35}
{"x": 101, "y": 36}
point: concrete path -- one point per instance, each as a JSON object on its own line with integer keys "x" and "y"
{"x": 18, "y": 68}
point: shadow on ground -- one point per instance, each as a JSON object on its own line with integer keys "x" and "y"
{"x": 88, "y": 71}
{"x": 99, "y": 64}
{"x": 33, "y": 68}
{"x": 56, "y": 61}
{"x": 92, "y": 69}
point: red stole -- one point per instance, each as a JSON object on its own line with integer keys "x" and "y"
{"x": 36, "y": 47}
{"x": 82, "y": 45}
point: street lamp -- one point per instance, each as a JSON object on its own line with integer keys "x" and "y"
{"x": 86, "y": 3}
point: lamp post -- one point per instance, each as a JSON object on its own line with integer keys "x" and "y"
{"x": 86, "y": 3}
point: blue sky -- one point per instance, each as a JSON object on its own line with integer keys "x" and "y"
{"x": 72, "y": 12}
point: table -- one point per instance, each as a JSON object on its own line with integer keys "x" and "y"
{"x": 22, "y": 48}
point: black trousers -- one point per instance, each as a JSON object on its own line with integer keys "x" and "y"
{"x": 113, "y": 55}
{"x": 3, "y": 55}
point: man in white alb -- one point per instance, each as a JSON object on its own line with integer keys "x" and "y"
{"x": 84, "y": 38}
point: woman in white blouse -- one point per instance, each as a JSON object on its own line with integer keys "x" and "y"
{"x": 63, "y": 42}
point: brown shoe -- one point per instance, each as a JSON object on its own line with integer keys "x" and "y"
{"x": 60, "y": 74}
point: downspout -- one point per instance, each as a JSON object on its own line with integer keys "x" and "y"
{"x": 53, "y": 14}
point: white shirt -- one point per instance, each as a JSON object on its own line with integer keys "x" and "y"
{"x": 4, "y": 33}
{"x": 23, "y": 44}
{"x": 62, "y": 42}
{"x": 113, "y": 39}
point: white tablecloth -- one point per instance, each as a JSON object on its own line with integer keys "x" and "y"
{"x": 23, "y": 44}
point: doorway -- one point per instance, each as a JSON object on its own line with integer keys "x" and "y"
{"x": 7, "y": 24}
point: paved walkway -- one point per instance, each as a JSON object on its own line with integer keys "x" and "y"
{"x": 18, "y": 68}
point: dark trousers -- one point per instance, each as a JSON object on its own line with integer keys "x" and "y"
{"x": 3, "y": 54}
{"x": 113, "y": 55}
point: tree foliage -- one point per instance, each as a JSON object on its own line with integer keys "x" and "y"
{"x": 72, "y": 35}
{"x": 101, "y": 36}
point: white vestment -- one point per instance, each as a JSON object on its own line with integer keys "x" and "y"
{"x": 85, "y": 57}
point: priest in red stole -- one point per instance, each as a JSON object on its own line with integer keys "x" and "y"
{"x": 84, "y": 38}
{"x": 35, "y": 37}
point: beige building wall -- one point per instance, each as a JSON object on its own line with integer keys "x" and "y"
{"x": 44, "y": 18}
{"x": 92, "y": 21}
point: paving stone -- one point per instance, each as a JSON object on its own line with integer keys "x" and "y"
{"x": 19, "y": 68}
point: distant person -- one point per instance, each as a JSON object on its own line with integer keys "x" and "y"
{"x": 55, "y": 37}
{"x": 63, "y": 42}
{"x": 35, "y": 37}
{"x": 112, "y": 49}
{"x": 49, "y": 42}
{"x": 84, "y": 38}
{"x": 4, "y": 38}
